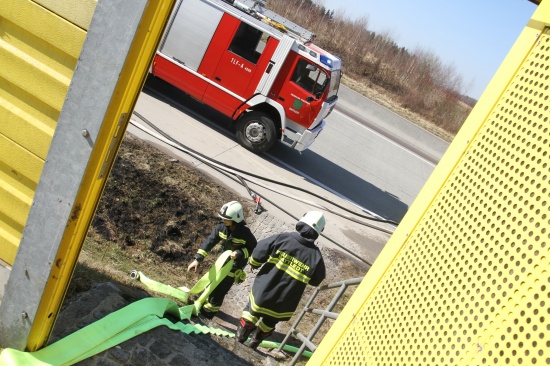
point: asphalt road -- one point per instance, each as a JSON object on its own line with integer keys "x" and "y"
{"x": 369, "y": 169}
{"x": 352, "y": 164}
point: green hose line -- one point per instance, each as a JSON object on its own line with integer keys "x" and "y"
{"x": 206, "y": 285}
{"x": 177, "y": 293}
{"x": 286, "y": 347}
{"x": 115, "y": 328}
{"x": 240, "y": 276}
{"x": 130, "y": 321}
{"x": 105, "y": 333}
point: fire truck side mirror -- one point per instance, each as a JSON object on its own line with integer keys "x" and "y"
{"x": 311, "y": 67}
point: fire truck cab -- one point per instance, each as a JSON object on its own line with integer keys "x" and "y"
{"x": 252, "y": 65}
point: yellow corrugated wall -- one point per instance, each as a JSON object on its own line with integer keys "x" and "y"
{"x": 465, "y": 278}
{"x": 39, "y": 45}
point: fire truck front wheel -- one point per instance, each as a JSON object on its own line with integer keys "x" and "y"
{"x": 256, "y": 132}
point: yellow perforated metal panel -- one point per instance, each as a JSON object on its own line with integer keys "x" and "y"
{"x": 466, "y": 280}
{"x": 38, "y": 53}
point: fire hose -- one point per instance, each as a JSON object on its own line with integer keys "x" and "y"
{"x": 132, "y": 320}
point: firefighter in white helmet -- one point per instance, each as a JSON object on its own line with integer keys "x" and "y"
{"x": 234, "y": 235}
{"x": 289, "y": 262}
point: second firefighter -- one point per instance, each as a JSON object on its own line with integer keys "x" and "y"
{"x": 234, "y": 235}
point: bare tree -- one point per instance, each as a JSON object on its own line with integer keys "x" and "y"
{"x": 419, "y": 78}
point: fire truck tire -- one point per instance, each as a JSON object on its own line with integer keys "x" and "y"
{"x": 256, "y": 132}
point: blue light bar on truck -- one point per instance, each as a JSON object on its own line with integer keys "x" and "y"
{"x": 325, "y": 60}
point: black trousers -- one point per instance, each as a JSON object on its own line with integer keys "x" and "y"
{"x": 215, "y": 300}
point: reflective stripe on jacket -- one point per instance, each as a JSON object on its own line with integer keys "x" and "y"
{"x": 241, "y": 240}
{"x": 289, "y": 263}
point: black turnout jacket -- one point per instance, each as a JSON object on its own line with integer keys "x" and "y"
{"x": 289, "y": 263}
{"x": 240, "y": 239}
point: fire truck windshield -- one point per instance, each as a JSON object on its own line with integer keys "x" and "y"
{"x": 334, "y": 84}
{"x": 310, "y": 77}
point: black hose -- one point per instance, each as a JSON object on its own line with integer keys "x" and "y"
{"x": 262, "y": 178}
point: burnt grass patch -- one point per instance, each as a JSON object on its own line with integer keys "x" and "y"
{"x": 153, "y": 214}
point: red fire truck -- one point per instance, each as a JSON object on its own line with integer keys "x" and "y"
{"x": 252, "y": 65}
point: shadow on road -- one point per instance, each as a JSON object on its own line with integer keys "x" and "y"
{"x": 342, "y": 181}
{"x": 316, "y": 167}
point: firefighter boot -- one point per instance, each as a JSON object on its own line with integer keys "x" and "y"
{"x": 207, "y": 314}
{"x": 259, "y": 336}
{"x": 244, "y": 329}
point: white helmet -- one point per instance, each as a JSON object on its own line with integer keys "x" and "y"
{"x": 232, "y": 211}
{"x": 314, "y": 219}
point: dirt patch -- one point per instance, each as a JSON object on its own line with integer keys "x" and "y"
{"x": 154, "y": 214}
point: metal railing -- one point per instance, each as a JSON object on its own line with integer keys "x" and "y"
{"x": 324, "y": 314}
